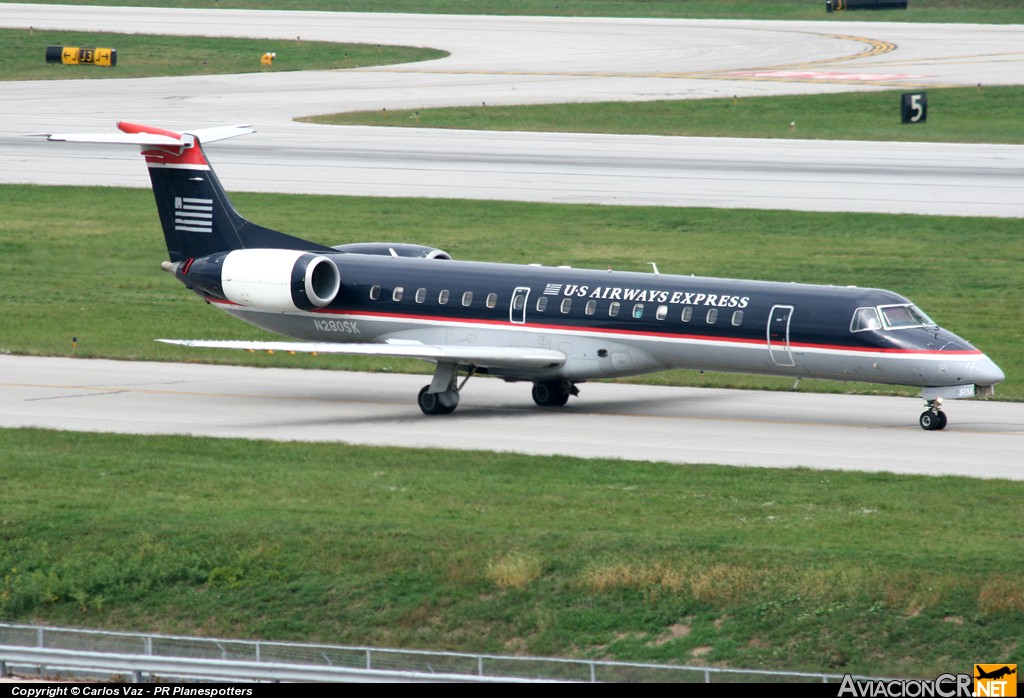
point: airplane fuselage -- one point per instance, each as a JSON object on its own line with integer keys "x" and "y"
{"x": 612, "y": 323}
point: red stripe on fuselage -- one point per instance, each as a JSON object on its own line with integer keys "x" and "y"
{"x": 631, "y": 333}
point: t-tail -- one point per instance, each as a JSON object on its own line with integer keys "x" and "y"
{"x": 197, "y": 216}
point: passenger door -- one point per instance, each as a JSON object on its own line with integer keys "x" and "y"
{"x": 517, "y": 308}
{"x": 778, "y": 335}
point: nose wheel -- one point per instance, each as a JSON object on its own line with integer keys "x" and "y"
{"x": 933, "y": 418}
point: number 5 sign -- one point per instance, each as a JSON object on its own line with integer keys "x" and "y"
{"x": 914, "y": 107}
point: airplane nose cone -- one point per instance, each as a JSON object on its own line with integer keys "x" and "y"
{"x": 985, "y": 372}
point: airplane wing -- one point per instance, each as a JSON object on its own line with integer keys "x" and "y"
{"x": 491, "y": 357}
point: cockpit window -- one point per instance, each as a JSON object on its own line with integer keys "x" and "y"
{"x": 891, "y": 317}
{"x": 865, "y": 319}
{"x": 898, "y": 317}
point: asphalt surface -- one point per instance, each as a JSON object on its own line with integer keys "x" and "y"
{"x": 678, "y": 425}
{"x": 514, "y": 60}
{"x": 501, "y": 60}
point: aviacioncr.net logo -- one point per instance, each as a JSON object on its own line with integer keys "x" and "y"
{"x": 944, "y": 686}
{"x": 998, "y": 680}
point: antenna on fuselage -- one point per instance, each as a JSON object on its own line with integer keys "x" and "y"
{"x": 654, "y": 265}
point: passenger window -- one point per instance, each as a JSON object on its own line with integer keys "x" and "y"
{"x": 396, "y": 295}
{"x": 566, "y": 305}
{"x": 421, "y": 295}
{"x": 519, "y": 302}
{"x": 542, "y": 304}
{"x": 467, "y": 299}
{"x": 662, "y": 312}
{"x": 590, "y": 308}
{"x": 687, "y": 314}
{"x": 613, "y": 309}
{"x": 492, "y": 300}
{"x": 442, "y": 297}
{"x": 375, "y": 292}
{"x": 638, "y": 311}
{"x": 737, "y": 318}
{"x": 713, "y": 316}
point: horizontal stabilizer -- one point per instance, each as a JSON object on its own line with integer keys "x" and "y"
{"x": 117, "y": 138}
{"x": 220, "y": 133}
{"x": 492, "y": 357}
{"x": 134, "y": 134}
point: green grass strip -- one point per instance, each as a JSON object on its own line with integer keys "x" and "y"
{"x": 498, "y": 553}
{"x": 141, "y": 55}
{"x": 955, "y": 115}
{"x": 83, "y": 263}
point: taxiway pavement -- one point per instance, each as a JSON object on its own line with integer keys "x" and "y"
{"x": 630, "y": 422}
{"x": 513, "y": 60}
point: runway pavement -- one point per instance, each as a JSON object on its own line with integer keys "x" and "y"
{"x": 500, "y": 60}
{"x": 678, "y": 425}
{"x": 916, "y": 178}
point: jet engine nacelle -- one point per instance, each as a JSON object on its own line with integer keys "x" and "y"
{"x": 393, "y": 249}
{"x": 267, "y": 279}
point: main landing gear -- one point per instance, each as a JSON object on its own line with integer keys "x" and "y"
{"x": 437, "y": 403}
{"x": 442, "y": 395}
{"x": 933, "y": 418}
{"x": 553, "y": 393}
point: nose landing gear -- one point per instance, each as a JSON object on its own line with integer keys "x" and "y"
{"x": 933, "y": 418}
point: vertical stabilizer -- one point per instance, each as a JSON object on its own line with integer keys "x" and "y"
{"x": 197, "y": 216}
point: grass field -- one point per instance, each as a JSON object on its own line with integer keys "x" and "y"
{"x": 140, "y": 55}
{"x": 757, "y": 568}
{"x": 983, "y": 11}
{"x": 84, "y": 263}
{"x": 954, "y": 116}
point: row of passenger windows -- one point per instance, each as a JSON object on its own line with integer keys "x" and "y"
{"x": 615, "y": 308}
{"x": 443, "y": 298}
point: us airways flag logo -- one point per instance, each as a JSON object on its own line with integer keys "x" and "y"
{"x": 193, "y": 215}
{"x": 995, "y": 680}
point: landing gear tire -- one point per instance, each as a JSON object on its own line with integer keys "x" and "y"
{"x": 932, "y": 421}
{"x": 933, "y": 418}
{"x": 551, "y": 393}
{"x": 433, "y": 403}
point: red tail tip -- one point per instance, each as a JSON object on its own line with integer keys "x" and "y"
{"x": 129, "y": 127}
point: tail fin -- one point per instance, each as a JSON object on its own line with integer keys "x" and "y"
{"x": 197, "y": 216}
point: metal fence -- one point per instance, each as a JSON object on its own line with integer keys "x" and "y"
{"x": 45, "y": 649}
